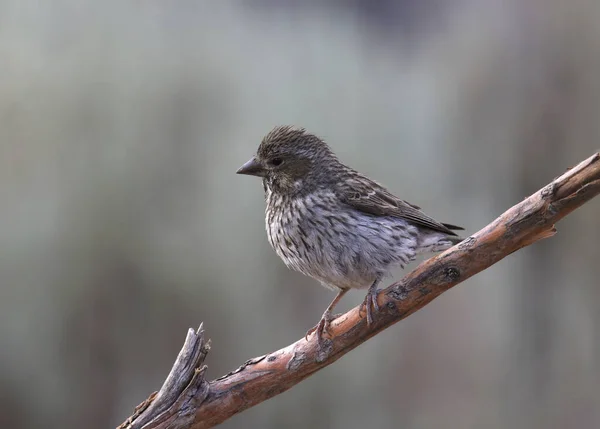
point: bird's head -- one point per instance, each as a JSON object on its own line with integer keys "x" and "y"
{"x": 291, "y": 160}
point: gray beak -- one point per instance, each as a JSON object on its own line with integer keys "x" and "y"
{"x": 252, "y": 168}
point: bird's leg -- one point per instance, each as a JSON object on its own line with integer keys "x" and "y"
{"x": 370, "y": 301}
{"x": 323, "y": 324}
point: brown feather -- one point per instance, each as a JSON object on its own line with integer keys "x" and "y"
{"x": 370, "y": 197}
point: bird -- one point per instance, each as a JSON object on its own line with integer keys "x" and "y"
{"x": 334, "y": 224}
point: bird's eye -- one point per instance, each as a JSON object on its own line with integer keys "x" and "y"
{"x": 276, "y": 162}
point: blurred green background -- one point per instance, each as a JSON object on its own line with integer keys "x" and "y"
{"x": 122, "y": 222}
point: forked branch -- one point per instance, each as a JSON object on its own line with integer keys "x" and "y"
{"x": 187, "y": 400}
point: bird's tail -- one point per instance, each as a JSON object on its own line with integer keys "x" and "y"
{"x": 436, "y": 241}
{"x": 453, "y": 227}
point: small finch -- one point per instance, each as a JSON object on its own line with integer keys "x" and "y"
{"x": 333, "y": 224}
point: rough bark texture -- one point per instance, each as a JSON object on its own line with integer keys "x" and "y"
{"x": 187, "y": 400}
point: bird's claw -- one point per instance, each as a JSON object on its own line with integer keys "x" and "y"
{"x": 311, "y": 330}
{"x": 371, "y": 304}
{"x": 320, "y": 328}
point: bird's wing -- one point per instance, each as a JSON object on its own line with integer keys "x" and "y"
{"x": 368, "y": 196}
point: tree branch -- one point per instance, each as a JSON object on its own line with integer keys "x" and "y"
{"x": 187, "y": 400}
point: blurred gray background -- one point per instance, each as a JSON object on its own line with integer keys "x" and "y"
{"x": 122, "y": 222}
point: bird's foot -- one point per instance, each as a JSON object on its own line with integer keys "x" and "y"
{"x": 320, "y": 328}
{"x": 371, "y": 304}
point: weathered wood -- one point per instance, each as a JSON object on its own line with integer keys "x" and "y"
{"x": 186, "y": 400}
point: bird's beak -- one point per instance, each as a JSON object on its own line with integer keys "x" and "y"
{"x": 252, "y": 168}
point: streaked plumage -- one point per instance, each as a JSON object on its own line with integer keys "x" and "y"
{"x": 330, "y": 222}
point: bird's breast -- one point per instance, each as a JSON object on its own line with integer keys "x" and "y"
{"x": 283, "y": 224}
{"x": 318, "y": 237}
